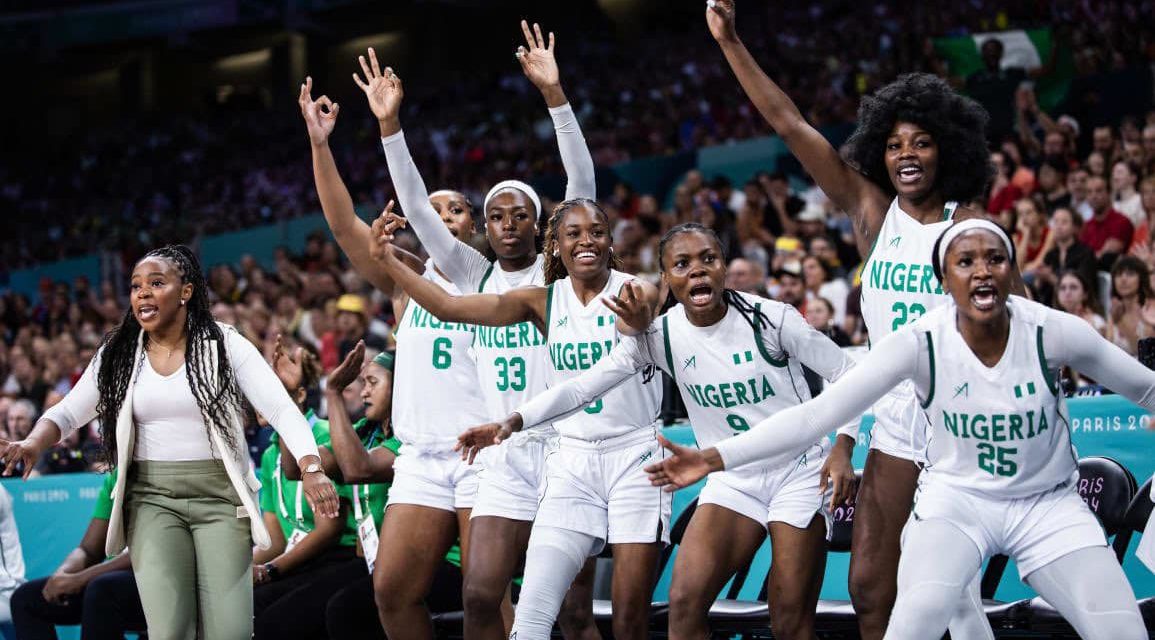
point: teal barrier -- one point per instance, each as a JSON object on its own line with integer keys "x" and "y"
{"x": 53, "y": 511}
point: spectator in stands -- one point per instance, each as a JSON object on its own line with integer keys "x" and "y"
{"x": 821, "y": 283}
{"x": 1003, "y": 193}
{"x": 1053, "y": 185}
{"x": 1149, "y": 148}
{"x": 87, "y": 589}
{"x": 1096, "y": 165}
{"x": 1124, "y": 194}
{"x": 1132, "y": 315}
{"x": 22, "y": 415}
{"x": 1067, "y": 253}
{"x": 791, "y": 288}
{"x": 746, "y": 276}
{"x": 11, "y": 563}
{"x": 1077, "y": 296}
{"x": 1032, "y": 235}
{"x": 26, "y": 380}
{"x": 1142, "y": 239}
{"x": 820, "y": 316}
{"x": 1108, "y": 232}
{"x": 1103, "y": 143}
{"x": 783, "y": 205}
{"x": 1077, "y": 187}
{"x": 994, "y": 87}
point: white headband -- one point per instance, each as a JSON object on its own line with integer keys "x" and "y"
{"x": 512, "y": 184}
{"x": 970, "y": 224}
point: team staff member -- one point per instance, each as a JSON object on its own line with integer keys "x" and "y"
{"x": 167, "y": 385}
{"x": 1002, "y": 474}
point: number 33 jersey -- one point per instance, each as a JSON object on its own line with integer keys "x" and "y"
{"x": 1000, "y": 430}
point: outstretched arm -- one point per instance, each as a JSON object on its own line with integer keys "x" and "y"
{"x": 540, "y": 66}
{"x": 461, "y": 263}
{"x": 350, "y": 231}
{"x": 1069, "y": 340}
{"x": 512, "y": 307}
{"x": 846, "y": 187}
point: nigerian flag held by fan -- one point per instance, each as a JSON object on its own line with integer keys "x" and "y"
{"x": 1026, "y": 49}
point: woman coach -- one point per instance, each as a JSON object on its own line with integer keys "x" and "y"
{"x": 166, "y": 386}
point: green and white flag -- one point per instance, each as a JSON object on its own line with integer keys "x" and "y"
{"x": 1026, "y": 49}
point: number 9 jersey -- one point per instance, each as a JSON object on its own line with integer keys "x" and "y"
{"x": 898, "y": 287}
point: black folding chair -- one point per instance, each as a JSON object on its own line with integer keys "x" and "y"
{"x": 1138, "y": 513}
{"x": 1108, "y": 488}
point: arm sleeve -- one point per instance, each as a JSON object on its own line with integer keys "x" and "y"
{"x": 581, "y": 180}
{"x": 577, "y": 393}
{"x": 461, "y": 263}
{"x": 819, "y": 354}
{"x": 268, "y": 396}
{"x": 787, "y": 433}
{"x": 1069, "y": 340}
{"x": 78, "y": 407}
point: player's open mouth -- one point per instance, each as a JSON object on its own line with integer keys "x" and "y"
{"x": 146, "y": 312}
{"x": 909, "y": 173}
{"x": 701, "y": 294}
{"x": 984, "y": 296}
{"x": 586, "y": 257}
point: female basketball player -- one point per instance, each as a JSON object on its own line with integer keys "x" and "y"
{"x": 736, "y": 359}
{"x": 596, "y": 492}
{"x": 919, "y": 149}
{"x": 511, "y": 360}
{"x": 435, "y": 388}
{"x": 1002, "y": 470}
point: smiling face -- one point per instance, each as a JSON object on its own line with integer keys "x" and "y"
{"x": 977, "y": 274}
{"x": 693, "y": 266}
{"x": 583, "y": 242}
{"x": 911, "y": 160}
{"x": 377, "y": 394}
{"x": 1122, "y": 179}
{"x": 455, "y": 213}
{"x": 156, "y": 292}
{"x": 510, "y": 224}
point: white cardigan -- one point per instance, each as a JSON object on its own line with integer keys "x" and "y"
{"x": 259, "y": 385}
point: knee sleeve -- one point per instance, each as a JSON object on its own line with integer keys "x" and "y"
{"x": 930, "y": 592}
{"x": 552, "y": 560}
{"x": 1088, "y": 588}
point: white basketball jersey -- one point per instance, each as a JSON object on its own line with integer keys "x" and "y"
{"x": 1000, "y": 430}
{"x": 730, "y": 375}
{"x": 898, "y": 287}
{"x": 435, "y": 390}
{"x": 512, "y": 364}
{"x": 579, "y": 336}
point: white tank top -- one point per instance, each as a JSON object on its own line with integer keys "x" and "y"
{"x": 1000, "y": 430}
{"x": 512, "y": 361}
{"x": 579, "y": 336}
{"x": 436, "y": 394}
{"x": 898, "y": 287}
{"x": 730, "y": 375}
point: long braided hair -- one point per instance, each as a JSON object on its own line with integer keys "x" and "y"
{"x": 552, "y": 267}
{"x": 753, "y": 316}
{"x": 219, "y": 404}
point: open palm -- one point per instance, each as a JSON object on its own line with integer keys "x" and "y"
{"x": 382, "y": 88}
{"x": 537, "y": 60}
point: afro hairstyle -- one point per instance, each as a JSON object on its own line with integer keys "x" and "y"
{"x": 958, "y": 125}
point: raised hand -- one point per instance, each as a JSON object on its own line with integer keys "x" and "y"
{"x": 346, "y": 372}
{"x": 320, "y": 114}
{"x": 720, "y": 19}
{"x": 382, "y": 88}
{"x": 682, "y": 468}
{"x": 288, "y": 367}
{"x": 381, "y": 236}
{"x": 537, "y": 61}
{"x": 631, "y": 307}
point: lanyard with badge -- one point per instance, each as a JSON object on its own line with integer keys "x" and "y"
{"x": 366, "y": 527}
{"x": 299, "y": 531}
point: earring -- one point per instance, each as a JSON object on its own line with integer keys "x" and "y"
{"x": 182, "y": 302}
{"x": 556, "y": 253}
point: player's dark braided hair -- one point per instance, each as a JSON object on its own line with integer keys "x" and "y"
{"x": 754, "y": 317}
{"x": 219, "y": 403}
{"x": 553, "y": 268}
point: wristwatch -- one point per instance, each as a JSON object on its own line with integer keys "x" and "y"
{"x": 311, "y": 468}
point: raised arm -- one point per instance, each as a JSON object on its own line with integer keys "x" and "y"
{"x": 512, "y": 307}
{"x": 846, "y": 187}
{"x": 540, "y": 66}
{"x": 461, "y": 263}
{"x": 358, "y": 466}
{"x": 350, "y": 231}
{"x": 1069, "y": 340}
